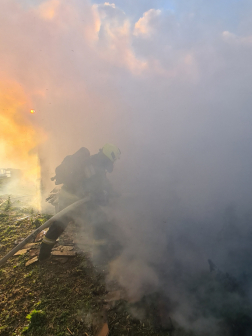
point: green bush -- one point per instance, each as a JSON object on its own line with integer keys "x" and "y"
{"x": 36, "y": 319}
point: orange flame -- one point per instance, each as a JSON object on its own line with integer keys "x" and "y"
{"x": 19, "y": 138}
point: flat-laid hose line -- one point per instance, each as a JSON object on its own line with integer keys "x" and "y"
{"x": 47, "y": 224}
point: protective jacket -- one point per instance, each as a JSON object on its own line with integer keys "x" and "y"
{"x": 82, "y": 175}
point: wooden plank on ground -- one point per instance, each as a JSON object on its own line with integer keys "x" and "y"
{"x": 104, "y": 331}
{"x": 20, "y": 252}
{"x": 30, "y": 245}
{"x": 31, "y": 261}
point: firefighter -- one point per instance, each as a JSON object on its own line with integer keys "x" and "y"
{"x": 81, "y": 175}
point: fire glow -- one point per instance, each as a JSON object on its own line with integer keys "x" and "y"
{"x": 19, "y": 139}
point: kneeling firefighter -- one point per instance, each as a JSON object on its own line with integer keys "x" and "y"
{"x": 81, "y": 175}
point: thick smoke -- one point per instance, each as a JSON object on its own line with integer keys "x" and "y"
{"x": 172, "y": 89}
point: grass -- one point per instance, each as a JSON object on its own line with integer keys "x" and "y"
{"x": 54, "y": 298}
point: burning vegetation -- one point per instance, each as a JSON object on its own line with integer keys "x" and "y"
{"x": 19, "y": 144}
{"x": 96, "y": 282}
{"x": 162, "y": 244}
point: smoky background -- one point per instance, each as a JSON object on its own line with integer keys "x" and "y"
{"x": 173, "y": 93}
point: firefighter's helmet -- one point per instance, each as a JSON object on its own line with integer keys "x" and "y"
{"x": 111, "y": 151}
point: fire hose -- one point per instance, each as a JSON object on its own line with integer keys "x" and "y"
{"x": 47, "y": 224}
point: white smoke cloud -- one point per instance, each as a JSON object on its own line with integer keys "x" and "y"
{"x": 145, "y": 25}
{"x": 172, "y": 89}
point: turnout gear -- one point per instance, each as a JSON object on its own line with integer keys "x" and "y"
{"x": 111, "y": 151}
{"x": 48, "y": 241}
{"x": 45, "y": 251}
{"x": 81, "y": 175}
{"x": 50, "y": 238}
{"x": 71, "y": 167}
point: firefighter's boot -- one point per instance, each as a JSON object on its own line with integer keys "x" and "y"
{"x": 50, "y": 238}
{"x": 46, "y": 248}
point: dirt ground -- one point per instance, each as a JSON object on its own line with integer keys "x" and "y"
{"x": 61, "y": 296}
